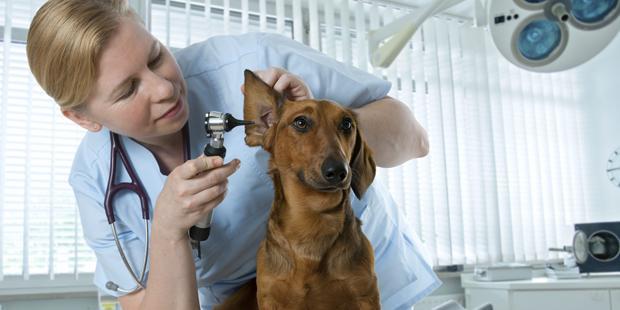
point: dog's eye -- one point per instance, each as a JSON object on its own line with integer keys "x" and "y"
{"x": 346, "y": 124}
{"x": 301, "y": 123}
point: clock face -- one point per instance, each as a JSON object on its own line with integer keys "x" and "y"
{"x": 613, "y": 167}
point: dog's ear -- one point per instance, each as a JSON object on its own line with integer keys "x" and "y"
{"x": 260, "y": 105}
{"x": 362, "y": 165}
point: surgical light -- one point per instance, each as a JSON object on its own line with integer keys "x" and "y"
{"x": 538, "y": 39}
{"x": 537, "y": 35}
{"x": 592, "y": 11}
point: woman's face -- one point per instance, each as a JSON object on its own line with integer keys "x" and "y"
{"x": 140, "y": 91}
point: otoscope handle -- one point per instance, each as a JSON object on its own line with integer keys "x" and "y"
{"x": 215, "y": 151}
{"x": 216, "y": 123}
{"x": 200, "y": 232}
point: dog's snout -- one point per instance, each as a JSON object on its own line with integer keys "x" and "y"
{"x": 334, "y": 171}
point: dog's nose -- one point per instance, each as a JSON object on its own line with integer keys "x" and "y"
{"x": 334, "y": 171}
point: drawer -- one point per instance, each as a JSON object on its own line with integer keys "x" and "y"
{"x": 561, "y": 299}
{"x": 615, "y": 299}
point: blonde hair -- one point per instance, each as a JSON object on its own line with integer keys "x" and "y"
{"x": 65, "y": 42}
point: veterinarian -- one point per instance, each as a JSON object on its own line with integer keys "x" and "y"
{"x": 107, "y": 73}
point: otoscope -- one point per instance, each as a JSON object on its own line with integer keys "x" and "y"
{"x": 216, "y": 123}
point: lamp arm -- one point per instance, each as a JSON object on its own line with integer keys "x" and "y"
{"x": 401, "y": 30}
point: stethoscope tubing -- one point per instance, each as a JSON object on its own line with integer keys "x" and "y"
{"x": 116, "y": 147}
{"x": 139, "y": 282}
{"x": 112, "y": 189}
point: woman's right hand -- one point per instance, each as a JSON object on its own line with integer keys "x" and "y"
{"x": 190, "y": 192}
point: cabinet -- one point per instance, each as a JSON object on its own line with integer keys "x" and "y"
{"x": 597, "y": 292}
{"x": 615, "y": 299}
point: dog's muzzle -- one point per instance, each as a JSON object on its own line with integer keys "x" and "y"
{"x": 334, "y": 172}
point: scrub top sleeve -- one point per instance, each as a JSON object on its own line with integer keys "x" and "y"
{"x": 326, "y": 77}
{"x": 98, "y": 236}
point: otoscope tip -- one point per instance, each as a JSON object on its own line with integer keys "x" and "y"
{"x": 231, "y": 122}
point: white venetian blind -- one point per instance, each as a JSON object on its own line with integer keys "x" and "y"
{"x": 181, "y": 23}
{"x": 39, "y": 224}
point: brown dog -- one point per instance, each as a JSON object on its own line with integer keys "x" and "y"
{"x": 315, "y": 255}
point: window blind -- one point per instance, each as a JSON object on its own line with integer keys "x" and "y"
{"x": 503, "y": 182}
{"x": 504, "y": 178}
{"x": 40, "y": 231}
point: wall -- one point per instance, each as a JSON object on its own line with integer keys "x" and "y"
{"x": 601, "y": 81}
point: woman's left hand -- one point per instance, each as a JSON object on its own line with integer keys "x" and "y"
{"x": 285, "y": 83}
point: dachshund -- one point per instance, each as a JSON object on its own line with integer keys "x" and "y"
{"x": 315, "y": 255}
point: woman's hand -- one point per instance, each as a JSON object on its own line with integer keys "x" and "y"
{"x": 285, "y": 83}
{"x": 190, "y": 192}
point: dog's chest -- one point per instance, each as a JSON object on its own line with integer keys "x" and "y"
{"x": 321, "y": 292}
{"x": 305, "y": 275}
{"x": 301, "y": 287}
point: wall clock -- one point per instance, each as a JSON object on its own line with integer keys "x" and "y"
{"x": 613, "y": 167}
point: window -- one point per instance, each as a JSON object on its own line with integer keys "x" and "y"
{"x": 40, "y": 231}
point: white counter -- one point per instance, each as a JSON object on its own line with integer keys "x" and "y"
{"x": 596, "y": 292}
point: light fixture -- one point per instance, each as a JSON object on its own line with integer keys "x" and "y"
{"x": 537, "y": 35}
{"x": 399, "y": 32}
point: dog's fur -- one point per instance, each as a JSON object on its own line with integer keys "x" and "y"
{"x": 315, "y": 255}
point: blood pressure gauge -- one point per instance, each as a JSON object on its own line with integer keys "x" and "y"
{"x": 613, "y": 167}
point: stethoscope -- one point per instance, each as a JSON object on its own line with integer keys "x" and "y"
{"x": 117, "y": 150}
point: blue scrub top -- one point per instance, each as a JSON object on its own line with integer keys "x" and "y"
{"x": 213, "y": 70}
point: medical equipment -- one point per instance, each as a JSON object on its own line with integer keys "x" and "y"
{"x": 216, "y": 123}
{"x": 537, "y": 35}
{"x": 568, "y": 269}
{"x": 117, "y": 149}
{"x": 503, "y": 272}
{"x": 596, "y": 247}
{"x": 552, "y": 35}
{"x": 399, "y": 32}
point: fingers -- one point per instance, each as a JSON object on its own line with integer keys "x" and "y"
{"x": 292, "y": 86}
{"x": 283, "y": 82}
{"x": 211, "y": 197}
{"x": 192, "y": 189}
{"x": 193, "y": 167}
{"x": 269, "y": 76}
{"x": 203, "y": 172}
{"x": 211, "y": 178}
